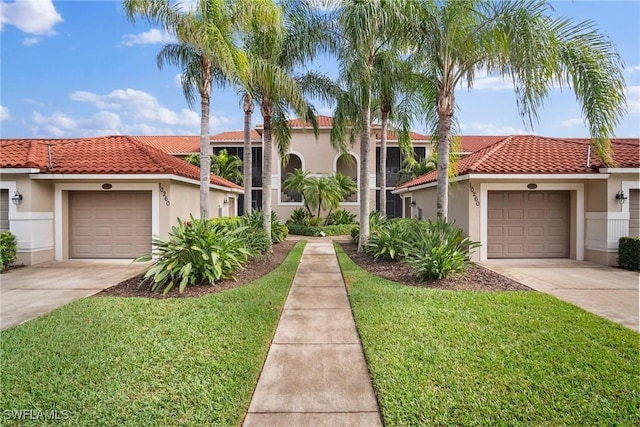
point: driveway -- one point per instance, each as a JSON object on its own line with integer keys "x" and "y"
{"x": 29, "y": 292}
{"x": 606, "y": 291}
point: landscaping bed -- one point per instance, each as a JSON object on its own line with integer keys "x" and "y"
{"x": 476, "y": 278}
{"x": 255, "y": 268}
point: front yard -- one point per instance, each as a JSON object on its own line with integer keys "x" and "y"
{"x": 138, "y": 361}
{"x": 491, "y": 358}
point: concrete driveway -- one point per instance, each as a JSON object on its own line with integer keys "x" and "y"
{"x": 606, "y": 291}
{"x": 32, "y": 291}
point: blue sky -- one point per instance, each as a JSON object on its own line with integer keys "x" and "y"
{"x": 81, "y": 68}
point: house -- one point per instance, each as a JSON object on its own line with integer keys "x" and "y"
{"x": 317, "y": 156}
{"x": 528, "y": 196}
{"x": 98, "y": 197}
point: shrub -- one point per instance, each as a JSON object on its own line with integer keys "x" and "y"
{"x": 304, "y": 230}
{"x": 389, "y": 241}
{"x": 338, "y": 230}
{"x": 437, "y": 249}
{"x": 254, "y": 220}
{"x": 196, "y": 251}
{"x": 629, "y": 253}
{"x": 341, "y": 217}
{"x": 299, "y": 216}
{"x": 355, "y": 234}
{"x": 8, "y": 250}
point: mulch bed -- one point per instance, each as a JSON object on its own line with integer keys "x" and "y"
{"x": 476, "y": 278}
{"x": 254, "y": 269}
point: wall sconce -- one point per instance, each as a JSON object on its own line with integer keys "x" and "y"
{"x": 620, "y": 197}
{"x": 17, "y": 198}
{"x": 225, "y": 201}
{"x": 412, "y": 203}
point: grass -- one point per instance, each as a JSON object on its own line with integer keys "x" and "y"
{"x": 491, "y": 358}
{"x": 134, "y": 361}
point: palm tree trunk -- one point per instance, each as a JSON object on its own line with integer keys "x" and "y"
{"x": 382, "y": 177}
{"x": 205, "y": 156}
{"x": 445, "y": 112}
{"x": 365, "y": 197}
{"x": 267, "y": 155}
{"x": 247, "y": 157}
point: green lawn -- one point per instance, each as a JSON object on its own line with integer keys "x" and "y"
{"x": 133, "y": 361}
{"x": 493, "y": 358}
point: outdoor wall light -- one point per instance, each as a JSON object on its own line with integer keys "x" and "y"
{"x": 413, "y": 203}
{"x": 225, "y": 201}
{"x": 17, "y": 198}
{"x": 620, "y": 197}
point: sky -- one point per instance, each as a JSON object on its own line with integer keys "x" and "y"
{"x": 71, "y": 69}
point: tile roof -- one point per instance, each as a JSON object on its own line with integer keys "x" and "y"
{"x": 101, "y": 155}
{"x": 172, "y": 144}
{"x": 473, "y": 143}
{"x": 532, "y": 154}
{"x": 392, "y": 136}
{"x": 323, "y": 122}
{"x": 233, "y": 136}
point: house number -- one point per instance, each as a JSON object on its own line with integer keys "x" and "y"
{"x": 475, "y": 196}
{"x": 164, "y": 194}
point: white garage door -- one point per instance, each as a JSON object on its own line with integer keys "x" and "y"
{"x": 4, "y": 210}
{"x": 109, "y": 224}
{"x": 528, "y": 224}
{"x": 634, "y": 213}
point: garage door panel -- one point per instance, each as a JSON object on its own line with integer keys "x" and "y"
{"x": 109, "y": 224}
{"x": 634, "y": 213}
{"x": 532, "y": 224}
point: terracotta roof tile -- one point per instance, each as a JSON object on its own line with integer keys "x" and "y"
{"x": 473, "y": 143}
{"x": 102, "y": 155}
{"x": 538, "y": 155}
{"x": 415, "y": 136}
{"x": 172, "y": 144}
{"x": 323, "y": 122}
{"x": 233, "y": 136}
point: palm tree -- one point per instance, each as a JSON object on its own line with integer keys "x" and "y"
{"x": 366, "y": 28}
{"x": 517, "y": 39}
{"x": 222, "y": 164}
{"x": 206, "y": 50}
{"x": 296, "y": 182}
{"x": 273, "y": 57}
{"x": 247, "y": 108}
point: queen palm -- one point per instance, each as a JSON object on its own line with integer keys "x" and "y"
{"x": 516, "y": 39}
{"x": 366, "y": 28}
{"x": 206, "y": 50}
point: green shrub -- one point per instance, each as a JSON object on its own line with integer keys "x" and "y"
{"x": 389, "y": 241}
{"x": 304, "y": 230}
{"x": 299, "y": 216}
{"x": 196, "y": 252}
{"x": 338, "y": 230}
{"x": 227, "y": 220}
{"x": 629, "y": 253}
{"x": 314, "y": 221}
{"x": 341, "y": 217}
{"x": 8, "y": 250}
{"x": 436, "y": 249}
{"x": 254, "y": 219}
{"x": 355, "y": 234}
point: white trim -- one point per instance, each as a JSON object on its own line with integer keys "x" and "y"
{"x": 141, "y": 186}
{"x": 551, "y": 186}
{"x": 606, "y": 215}
{"x": 18, "y": 170}
{"x": 136, "y": 177}
{"x": 11, "y": 186}
{"x": 506, "y": 177}
{"x": 620, "y": 170}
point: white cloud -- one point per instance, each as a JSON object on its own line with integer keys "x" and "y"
{"x": 569, "y": 123}
{"x": 30, "y": 16}
{"x": 4, "y": 113}
{"x": 492, "y": 83}
{"x": 153, "y": 36}
{"x": 632, "y": 69}
{"x": 177, "y": 80}
{"x": 633, "y": 99}
{"x": 30, "y": 41}
{"x": 491, "y": 129}
{"x": 32, "y": 101}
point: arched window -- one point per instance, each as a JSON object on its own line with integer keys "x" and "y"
{"x": 347, "y": 164}
{"x": 295, "y": 162}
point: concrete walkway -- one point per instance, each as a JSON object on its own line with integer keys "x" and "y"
{"x": 315, "y": 373}
{"x": 606, "y": 291}
{"x": 29, "y": 292}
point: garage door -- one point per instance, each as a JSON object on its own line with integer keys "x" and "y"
{"x": 109, "y": 224}
{"x": 634, "y": 213}
{"x": 4, "y": 210}
{"x": 528, "y": 224}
